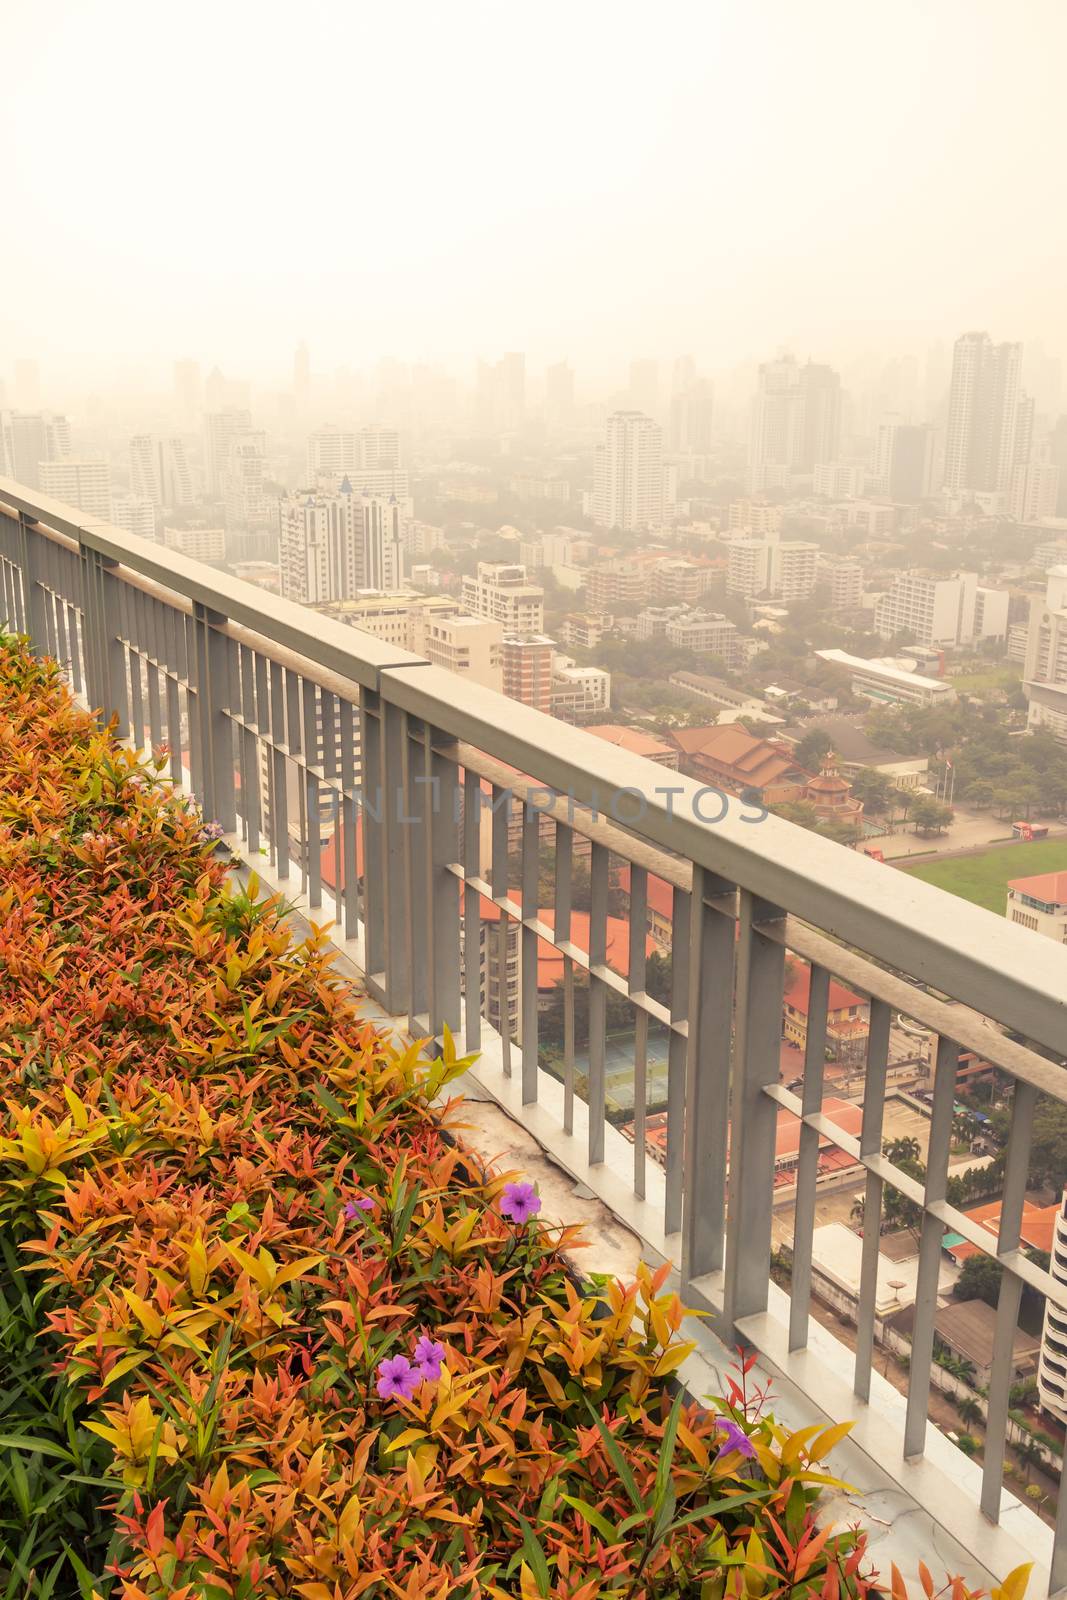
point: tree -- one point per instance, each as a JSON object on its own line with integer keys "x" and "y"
{"x": 873, "y": 788}
{"x": 979, "y": 1280}
{"x": 813, "y": 749}
{"x": 929, "y": 815}
{"x": 970, "y": 1411}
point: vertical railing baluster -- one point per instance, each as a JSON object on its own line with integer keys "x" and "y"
{"x": 279, "y": 785}
{"x": 808, "y": 1158}
{"x": 636, "y": 984}
{"x": 529, "y": 941}
{"x": 561, "y": 926}
{"x": 754, "y": 1124}
{"x": 712, "y": 939}
{"x": 442, "y": 891}
{"x": 348, "y": 857}
{"x": 500, "y": 803}
{"x": 1016, "y": 1174}
{"x": 472, "y": 920}
{"x": 677, "y": 1051}
{"x": 922, "y": 1336}
{"x": 309, "y": 701}
{"x": 599, "y": 868}
{"x": 874, "y": 1080}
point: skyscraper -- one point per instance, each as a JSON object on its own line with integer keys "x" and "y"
{"x": 796, "y": 421}
{"x": 159, "y": 470}
{"x": 628, "y": 478}
{"x": 691, "y": 413}
{"x": 338, "y": 451}
{"x": 333, "y": 545}
{"x": 903, "y": 460}
{"x": 982, "y": 441}
{"x": 220, "y": 430}
{"x": 26, "y": 439}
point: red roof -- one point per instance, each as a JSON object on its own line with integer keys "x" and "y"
{"x": 799, "y": 988}
{"x": 845, "y": 1113}
{"x": 550, "y": 960}
{"x": 659, "y": 893}
{"x": 1036, "y": 1231}
{"x": 1048, "y": 886}
{"x": 632, "y": 739}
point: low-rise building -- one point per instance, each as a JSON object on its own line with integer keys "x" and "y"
{"x": 729, "y": 758}
{"x": 1040, "y": 904}
{"x": 527, "y": 667}
{"x": 637, "y": 743}
{"x": 848, "y": 1015}
{"x": 733, "y": 702}
{"x": 578, "y": 692}
{"x": 888, "y": 683}
{"x": 705, "y": 633}
{"x": 583, "y": 631}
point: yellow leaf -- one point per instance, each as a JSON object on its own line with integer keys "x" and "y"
{"x": 77, "y": 1108}
{"x": 826, "y": 1441}
{"x": 147, "y": 1315}
{"x": 402, "y": 1440}
{"x": 1014, "y": 1585}
{"x": 197, "y": 1265}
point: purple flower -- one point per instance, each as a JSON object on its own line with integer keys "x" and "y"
{"x": 398, "y": 1379}
{"x": 734, "y": 1439}
{"x": 519, "y": 1202}
{"x": 429, "y": 1354}
{"x": 354, "y": 1207}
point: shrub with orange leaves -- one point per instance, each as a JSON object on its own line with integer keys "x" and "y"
{"x": 278, "y": 1331}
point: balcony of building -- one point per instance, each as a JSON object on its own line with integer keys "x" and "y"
{"x": 415, "y": 813}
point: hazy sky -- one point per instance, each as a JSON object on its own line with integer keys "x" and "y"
{"x": 591, "y": 178}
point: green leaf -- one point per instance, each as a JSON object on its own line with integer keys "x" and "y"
{"x": 666, "y": 1452}
{"x": 42, "y": 1447}
{"x": 618, "y": 1460}
{"x": 591, "y": 1515}
{"x": 535, "y": 1555}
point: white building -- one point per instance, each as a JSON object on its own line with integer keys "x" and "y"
{"x": 159, "y": 470}
{"x": 982, "y": 444}
{"x": 400, "y": 617}
{"x": 796, "y": 421}
{"x": 628, "y": 473}
{"x": 583, "y": 632}
{"x": 26, "y": 439}
{"x": 1052, "y": 1364}
{"x": 331, "y": 546}
{"x": 469, "y": 646}
{"x": 81, "y": 481}
{"x": 221, "y": 428}
{"x": 1045, "y": 667}
{"x": 134, "y": 514}
{"x": 839, "y": 480}
{"x": 889, "y": 683}
{"x": 1035, "y": 489}
{"x": 244, "y": 482}
{"x": 991, "y": 607}
{"x": 931, "y": 610}
{"x": 706, "y": 633}
{"x": 844, "y": 580}
{"x": 780, "y": 569}
{"x": 337, "y": 452}
{"x": 197, "y": 542}
{"x": 500, "y": 591}
{"x": 577, "y": 691}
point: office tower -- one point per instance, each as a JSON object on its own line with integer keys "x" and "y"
{"x": 83, "y": 482}
{"x": 559, "y": 394}
{"x": 500, "y": 591}
{"x": 27, "y": 389}
{"x": 691, "y": 412}
{"x": 333, "y": 545}
{"x": 159, "y": 470}
{"x": 220, "y": 429}
{"x": 188, "y": 388}
{"x": 243, "y": 482}
{"x": 903, "y": 460}
{"x": 983, "y": 415}
{"x": 796, "y": 421}
{"x": 372, "y": 450}
{"x": 134, "y": 513}
{"x": 628, "y": 482}
{"x": 1045, "y": 668}
{"x": 26, "y": 439}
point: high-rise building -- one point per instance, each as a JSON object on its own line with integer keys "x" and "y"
{"x": 527, "y": 665}
{"x": 691, "y": 414}
{"x": 159, "y": 470}
{"x": 772, "y": 568}
{"x": 1052, "y": 1364}
{"x": 1035, "y": 490}
{"x": 501, "y": 393}
{"x": 796, "y": 421}
{"x": 628, "y": 473}
{"x": 197, "y": 541}
{"x": 500, "y": 591}
{"x": 333, "y": 451}
{"x": 1045, "y": 667}
{"x": 982, "y": 442}
{"x": 220, "y": 430}
{"x": 903, "y": 460}
{"x": 135, "y": 514}
{"x": 26, "y": 439}
{"x": 930, "y": 609}
{"x": 333, "y": 545}
{"x": 244, "y": 482}
{"x": 84, "y": 482}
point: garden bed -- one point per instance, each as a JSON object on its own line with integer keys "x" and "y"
{"x": 268, "y": 1329}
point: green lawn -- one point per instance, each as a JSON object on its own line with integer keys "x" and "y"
{"x": 1002, "y": 677}
{"x": 984, "y": 879}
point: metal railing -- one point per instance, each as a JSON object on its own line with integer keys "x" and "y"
{"x": 322, "y": 748}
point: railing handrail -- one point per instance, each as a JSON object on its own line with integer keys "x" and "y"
{"x": 977, "y": 956}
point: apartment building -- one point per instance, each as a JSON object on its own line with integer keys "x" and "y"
{"x": 332, "y": 546}
{"x": 26, "y": 439}
{"x": 469, "y": 646}
{"x": 705, "y": 633}
{"x": 615, "y": 584}
{"x": 780, "y": 569}
{"x": 501, "y": 591}
{"x": 159, "y": 470}
{"x": 844, "y": 580}
{"x": 839, "y": 480}
{"x": 198, "y": 542}
{"x": 583, "y": 632}
{"x": 401, "y": 617}
{"x": 527, "y": 669}
{"x": 676, "y": 582}
{"x": 1045, "y": 666}
{"x": 134, "y": 514}
{"x": 81, "y": 481}
{"x": 579, "y": 692}
{"x": 931, "y": 609}
{"x": 1040, "y": 904}
{"x": 1052, "y": 1363}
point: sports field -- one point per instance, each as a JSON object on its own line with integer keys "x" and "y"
{"x": 983, "y": 879}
